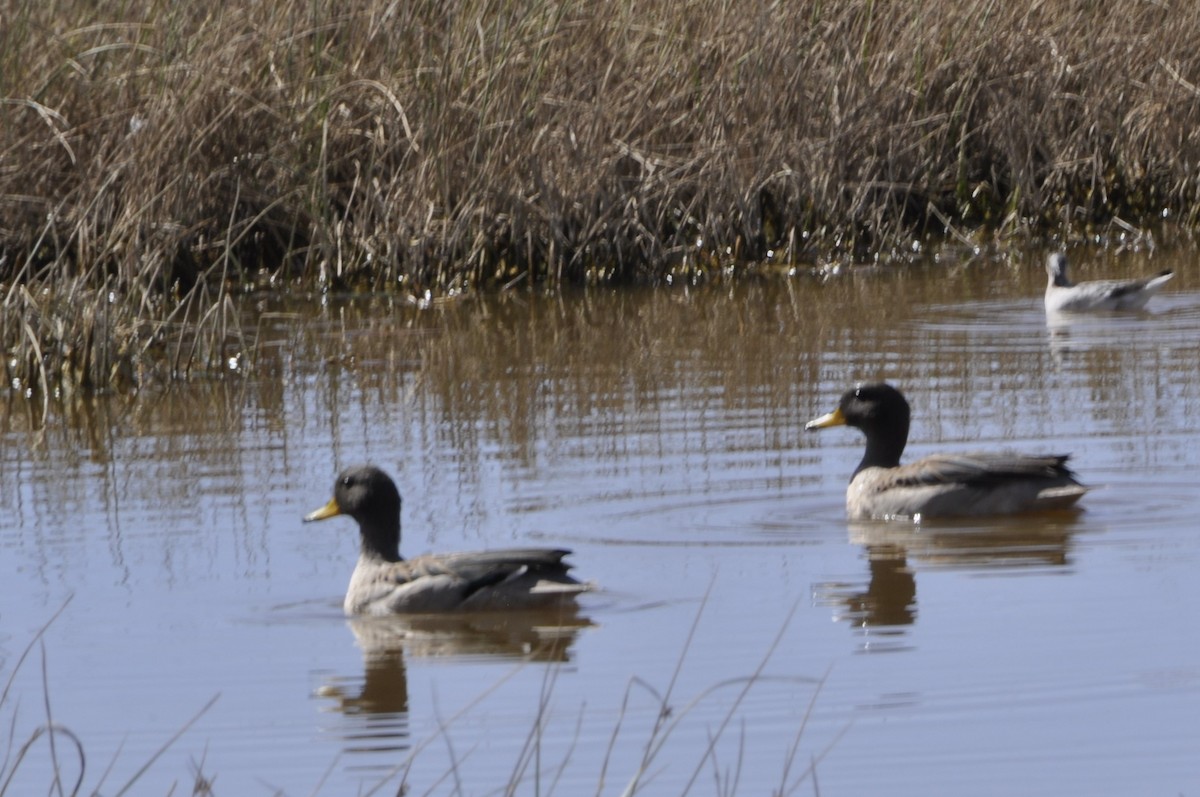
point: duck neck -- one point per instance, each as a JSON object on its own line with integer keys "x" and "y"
{"x": 380, "y": 540}
{"x": 1058, "y": 275}
{"x": 884, "y": 450}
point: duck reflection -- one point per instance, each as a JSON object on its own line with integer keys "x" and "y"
{"x": 1102, "y": 338}
{"x": 1071, "y": 333}
{"x": 890, "y": 596}
{"x": 895, "y": 552}
{"x": 378, "y": 703}
{"x": 544, "y": 636}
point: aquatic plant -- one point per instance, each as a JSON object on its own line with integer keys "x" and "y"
{"x": 535, "y": 772}
{"x": 66, "y": 763}
{"x": 157, "y": 159}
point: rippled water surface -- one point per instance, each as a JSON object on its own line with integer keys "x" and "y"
{"x": 658, "y": 434}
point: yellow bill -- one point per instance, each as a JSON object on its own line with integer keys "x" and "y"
{"x": 834, "y": 418}
{"x": 329, "y": 510}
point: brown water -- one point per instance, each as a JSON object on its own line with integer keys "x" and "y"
{"x": 659, "y": 435}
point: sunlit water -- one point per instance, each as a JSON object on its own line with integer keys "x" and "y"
{"x": 659, "y": 435}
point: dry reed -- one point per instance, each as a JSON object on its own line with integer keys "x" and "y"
{"x": 157, "y": 158}
{"x": 534, "y": 772}
{"x": 65, "y": 771}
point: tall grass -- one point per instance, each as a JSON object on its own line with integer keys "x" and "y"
{"x": 65, "y": 764}
{"x": 634, "y": 770}
{"x": 156, "y": 157}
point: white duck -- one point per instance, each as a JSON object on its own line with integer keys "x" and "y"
{"x": 1063, "y": 296}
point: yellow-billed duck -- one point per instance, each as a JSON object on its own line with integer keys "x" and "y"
{"x": 384, "y": 583}
{"x": 941, "y": 485}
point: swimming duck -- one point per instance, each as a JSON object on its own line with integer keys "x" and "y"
{"x": 385, "y": 583}
{"x": 1063, "y": 296}
{"x": 941, "y": 485}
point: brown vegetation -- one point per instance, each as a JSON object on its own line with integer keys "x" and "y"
{"x": 156, "y": 156}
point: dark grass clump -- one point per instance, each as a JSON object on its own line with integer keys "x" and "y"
{"x": 156, "y": 158}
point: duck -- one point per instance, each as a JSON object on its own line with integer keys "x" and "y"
{"x": 941, "y": 485}
{"x": 384, "y": 583}
{"x": 1064, "y": 296}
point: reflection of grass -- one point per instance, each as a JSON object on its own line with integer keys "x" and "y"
{"x": 65, "y": 752}
{"x": 155, "y": 159}
{"x": 669, "y": 717}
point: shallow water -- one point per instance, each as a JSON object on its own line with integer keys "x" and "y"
{"x": 659, "y": 435}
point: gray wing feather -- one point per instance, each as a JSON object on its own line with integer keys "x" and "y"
{"x": 982, "y": 469}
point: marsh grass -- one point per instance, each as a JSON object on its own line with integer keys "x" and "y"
{"x": 638, "y": 766}
{"x": 157, "y": 159}
{"x": 65, "y": 761}
{"x": 65, "y": 764}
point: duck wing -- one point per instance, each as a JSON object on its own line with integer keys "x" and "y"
{"x": 473, "y": 580}
{"x": 983, "y": 469}
{"x": 953, "y": 485}
{"x": 1105, "y": 294}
